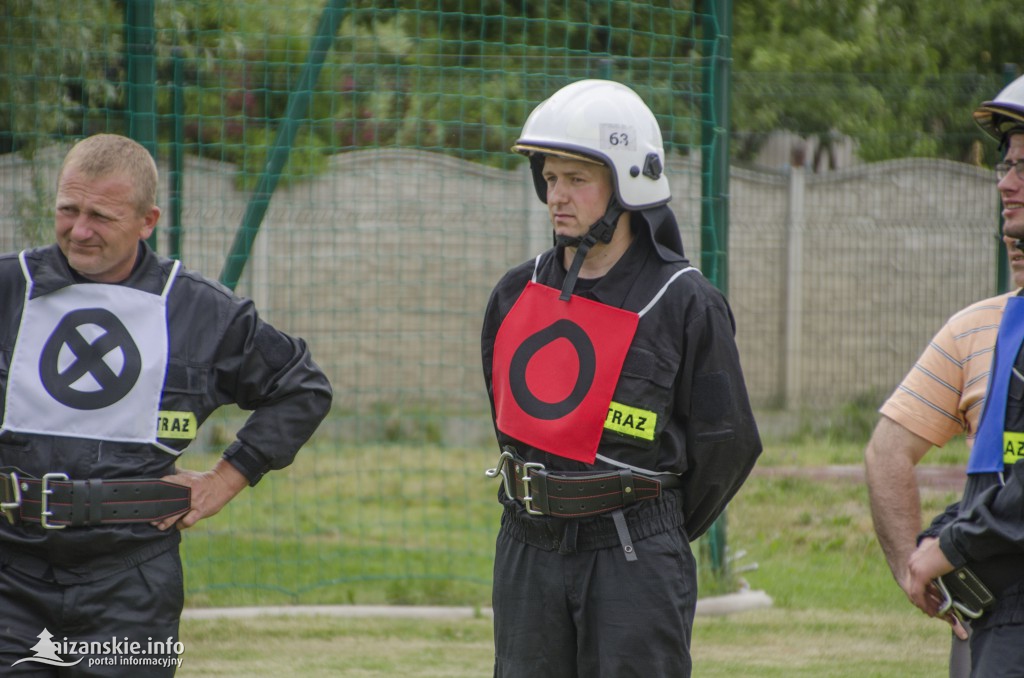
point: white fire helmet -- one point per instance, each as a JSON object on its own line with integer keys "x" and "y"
{"x": 604, "y": 122}
{"x": 1004, "y": 113}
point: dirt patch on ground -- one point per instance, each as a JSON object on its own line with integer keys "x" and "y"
{"x": 938, "y": 477}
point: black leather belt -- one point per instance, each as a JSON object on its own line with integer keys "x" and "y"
{"x": 55, "y": 501}
{"x": 568, "y": 494}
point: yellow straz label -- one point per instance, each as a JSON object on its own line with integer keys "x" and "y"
{"x": 177, "y": 425}
{"x": 631, "y": 421}
{"x": 1013, "y": 447}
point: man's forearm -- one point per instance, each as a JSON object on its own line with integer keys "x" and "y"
{"x": 895, "y": 508}
{"x": 890, "y": 458}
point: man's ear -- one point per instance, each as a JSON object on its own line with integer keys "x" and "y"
{"x": 149, "y": 222}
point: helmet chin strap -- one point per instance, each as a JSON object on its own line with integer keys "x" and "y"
{"x": 601, "y": 230}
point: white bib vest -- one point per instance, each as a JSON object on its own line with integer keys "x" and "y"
{"x": 90, "y": 362}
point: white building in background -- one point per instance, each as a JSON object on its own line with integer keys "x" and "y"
{"x": 784, "y": 149}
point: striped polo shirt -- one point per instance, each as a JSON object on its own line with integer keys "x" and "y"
{"x": 942, "y": 396}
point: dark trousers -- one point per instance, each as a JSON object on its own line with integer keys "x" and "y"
{"x": 592, "y": 614}
{"x": 39, "y": 618}
{"x": 998, "y": 651}
{"x": 997, "y": 638}
{"x": 960, "y": 656}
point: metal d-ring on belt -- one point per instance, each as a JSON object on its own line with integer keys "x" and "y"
{"x": 55, "y": 501}
{"x": 577, "y": 494}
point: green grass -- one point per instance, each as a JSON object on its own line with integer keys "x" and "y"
{"x": 770, "y": 643}
{"x": 315, "y": 647}
{"x": 392, "y": 530}
{"x": 820, "y": 643}
{"x": 374, "y": 524}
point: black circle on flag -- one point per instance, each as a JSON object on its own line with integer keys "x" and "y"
{"x": 89, "y": 359}
{"x": 524, "y": 397}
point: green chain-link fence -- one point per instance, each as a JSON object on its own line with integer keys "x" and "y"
{"x": 347, "y": 165}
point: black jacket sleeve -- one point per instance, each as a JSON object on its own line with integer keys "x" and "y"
{"x": 990, "y": 522}
{"x": 722, "y": 440}
{"x": 939, "y": 522}
{"x": 264, "y": 370}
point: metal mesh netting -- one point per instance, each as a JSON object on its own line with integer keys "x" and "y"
{"x": 347, "y": 165}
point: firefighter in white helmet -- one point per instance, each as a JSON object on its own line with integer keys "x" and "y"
{"x": 621, "y": 413}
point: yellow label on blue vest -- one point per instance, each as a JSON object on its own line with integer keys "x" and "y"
{"x": 631, "y": 421}
{"x": 176, "y": 425}
{"x": 1013, "y": 447}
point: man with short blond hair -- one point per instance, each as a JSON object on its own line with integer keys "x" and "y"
{"x": 111, "y": 358}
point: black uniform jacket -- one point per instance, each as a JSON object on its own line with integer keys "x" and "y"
{"x": 985, "y": 529}
{"x": 220, "y": 352}
{"x": 682, "y": 365}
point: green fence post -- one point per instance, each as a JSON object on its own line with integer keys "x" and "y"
{"x": 298, "y": 106}
{"x": 714, "y": 230}
{"x": 177, "y": 159}
{"x": 715, "y": 144}
{"x": 140, "y": 62}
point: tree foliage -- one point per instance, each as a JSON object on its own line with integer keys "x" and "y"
{"x": 899, "y": 76}
{"x": 44, "y": 89}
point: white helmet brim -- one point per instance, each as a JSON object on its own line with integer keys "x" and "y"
{"x": 1004, "y": 113}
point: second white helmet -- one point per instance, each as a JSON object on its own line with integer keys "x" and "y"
{"x": 1003, "y": 113}
{"x": 607, "y": 122}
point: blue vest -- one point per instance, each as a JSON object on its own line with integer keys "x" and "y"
{"x": 987, "y": 453}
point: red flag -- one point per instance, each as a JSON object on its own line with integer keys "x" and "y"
{"x": 556, "y": 364}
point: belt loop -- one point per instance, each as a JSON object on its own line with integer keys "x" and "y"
{"x": 568, "y": 543}
{"x": 95, "y": 501}
{"x": 7, "y": 508}
{"x": 623, "y": 531}
{"x": 628, "y": 487}
{"x": 79, "y": 503}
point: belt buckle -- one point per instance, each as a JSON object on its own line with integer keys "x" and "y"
{"x": 44, "y": 501}
{"x": 527, "y": 496}
{"x": 506, "y": 459}
{"x": 952, "y": 606}
{"x": 8, "y": 507}
{"x": 502, "y": 469}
